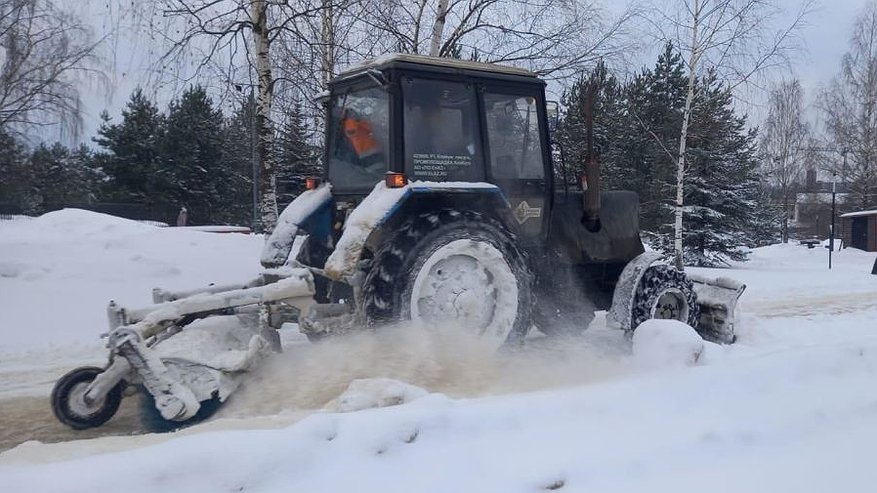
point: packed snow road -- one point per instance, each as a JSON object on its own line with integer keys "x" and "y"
{"x": 790, "y": 407}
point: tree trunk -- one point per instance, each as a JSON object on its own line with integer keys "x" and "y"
{"x": 438, "y": 27}
{"x": 785, "y": 232}
{"x": 328, "y": 42}
{"x": 264, "y": 130}
{"x": 683, "y": 136}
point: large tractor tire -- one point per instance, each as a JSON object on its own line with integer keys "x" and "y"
{"x": 452, "y": 267}
{"x": 664, "y": 293}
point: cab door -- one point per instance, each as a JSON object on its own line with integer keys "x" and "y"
{"x": 516, "y": 149}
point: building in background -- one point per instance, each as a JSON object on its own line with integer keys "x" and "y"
{"x": 859, "y": 230}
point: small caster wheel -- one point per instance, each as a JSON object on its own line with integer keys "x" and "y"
{"x": 68, "y": 400}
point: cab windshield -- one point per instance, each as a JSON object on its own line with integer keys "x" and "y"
{"x": 358, "y": 138}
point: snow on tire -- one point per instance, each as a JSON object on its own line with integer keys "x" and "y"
{"x": 452, "y": 266}
{"x": 664, "y": 293}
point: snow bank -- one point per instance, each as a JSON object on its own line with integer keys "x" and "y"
{"x": 72, "y": 224}
{"x": 666, "y": 343}
{"x": 788, "y": 409}
{"x": 58, "y": 272}
{"x": 661, "y": 344}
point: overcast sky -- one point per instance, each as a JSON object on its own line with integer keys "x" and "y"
{"x": 824, "y": 40}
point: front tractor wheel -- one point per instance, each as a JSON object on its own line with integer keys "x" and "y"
{"x": 664, "y": 293}
{"x": 452, "y": 267}
{"x": 72, "y": 409}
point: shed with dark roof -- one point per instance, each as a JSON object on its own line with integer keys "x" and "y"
{"x": 859, "y": 230}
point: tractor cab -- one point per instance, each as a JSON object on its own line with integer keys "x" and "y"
{"x": 438, "y": 120}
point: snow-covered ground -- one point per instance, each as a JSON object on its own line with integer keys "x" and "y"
{"x": 791, "y": 407}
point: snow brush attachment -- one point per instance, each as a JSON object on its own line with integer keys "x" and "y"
{"x": 186, "y": 351}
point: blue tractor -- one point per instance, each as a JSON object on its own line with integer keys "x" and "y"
{"x": 439, "y": 204}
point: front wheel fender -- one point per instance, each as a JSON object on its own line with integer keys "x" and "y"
{"x": 620, "y": 313}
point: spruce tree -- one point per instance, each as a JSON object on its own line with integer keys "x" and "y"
{"x": 192, "y": 157}
{"x": 59, "y": 177}
{"x": 655, "y": 100}
{"x": 637, "y": 125}
{"x": 608, "y": 123}
{"x": 298, "y": 158}
{"x": 722, "y": 190}
{"x": 132, "y": 162}
{"x": 238, "y": 157}
{"x": 12, "y": 170}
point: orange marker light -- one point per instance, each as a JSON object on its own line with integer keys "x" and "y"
{"x": 312, "y": 183}
{"x": 395, "y": 180}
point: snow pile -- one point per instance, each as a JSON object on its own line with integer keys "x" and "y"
{"x": 59, "y": 271}
{"x": 671, "y": 344}
{"x": 367, "y": 393}
{"x": 75, "y": 224}
{"x": 666, "y": 343}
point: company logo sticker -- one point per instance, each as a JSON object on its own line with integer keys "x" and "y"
{"x": 523, "y": 212}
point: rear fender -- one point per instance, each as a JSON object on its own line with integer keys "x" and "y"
{"x": 385, "y": 206}
{"x": 616, "y": 241}
{"x": 311, "y": 211}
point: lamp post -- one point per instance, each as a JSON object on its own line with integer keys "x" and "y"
{"x": 843, "y": 152}
{"x": 254, "y": 155}
{"x": 833, "y": 207}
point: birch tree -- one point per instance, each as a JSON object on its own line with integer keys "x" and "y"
{"x": 438, "y": 27}
{"x": 849, "y": 106}
{"x": 553, "y": 38}
{"x": 234, "y": 39}
{"x": 785, "y": 137}
{"x": 44, "y": 50}
{"x": 732, "y": 39}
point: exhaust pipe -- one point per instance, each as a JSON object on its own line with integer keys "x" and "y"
{"x": 591, "y": 177}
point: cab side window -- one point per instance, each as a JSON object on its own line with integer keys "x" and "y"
{"x": 513, "y": 136}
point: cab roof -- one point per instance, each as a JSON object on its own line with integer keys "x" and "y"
{"x": 436, "y": 64}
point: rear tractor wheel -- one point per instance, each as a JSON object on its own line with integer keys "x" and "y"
{"x": 452, "y": 267}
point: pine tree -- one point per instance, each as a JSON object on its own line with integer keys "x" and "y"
{"x": 192, "y": 157}
{"x": 132, "y": 163}
{"x": 12, "y": 170}
{"x": 238, "y": 156}
{"x": 58, "y": 176}
{"x": 655, "y": 100}
{"x": 298, "y": 158}
{"x": 636, "y": 126}
{"x": 608, "y": 123}
{"x": 722, "y": 189}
